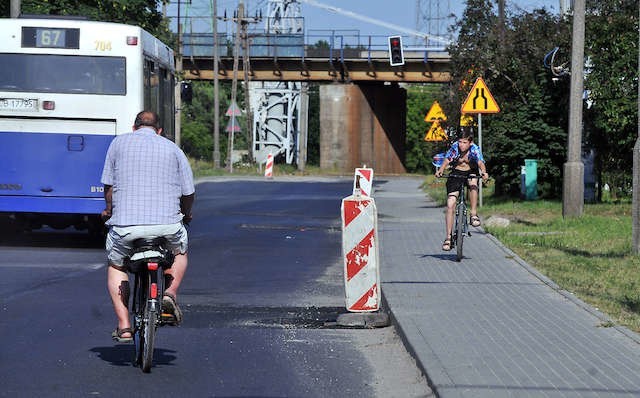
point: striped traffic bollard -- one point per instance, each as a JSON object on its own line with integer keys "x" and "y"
{"x": 268, "y": 169}
{"x": 363, "y": 177}
{"x": 360, "y": 252}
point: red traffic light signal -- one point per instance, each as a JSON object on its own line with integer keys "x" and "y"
{"x": 396, "y": 57}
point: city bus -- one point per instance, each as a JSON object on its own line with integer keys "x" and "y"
{"x": 67, "y": 88}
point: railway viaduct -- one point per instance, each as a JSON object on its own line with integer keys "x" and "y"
{"x": 362, "y": 104}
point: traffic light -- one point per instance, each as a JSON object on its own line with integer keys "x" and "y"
{"x": 395, "y": 51}
{"x": 186, "y": 91}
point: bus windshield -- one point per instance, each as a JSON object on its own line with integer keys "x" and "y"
{"x": 65, "y": 74}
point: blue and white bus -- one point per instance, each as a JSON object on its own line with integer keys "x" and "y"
{"x": 67, "y": 88}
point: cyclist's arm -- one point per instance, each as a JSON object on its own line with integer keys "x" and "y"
{"x": 483, "y": 170}
{"x": 443, "y": 167}
{"x": 186, "y": 203}
{"x": 108, "y": 199}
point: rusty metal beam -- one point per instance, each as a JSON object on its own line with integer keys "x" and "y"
{"x": 348, "y": 70}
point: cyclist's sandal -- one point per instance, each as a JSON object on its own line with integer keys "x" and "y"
{"x": 446, "y": 245}
{"x": 171, "y": 313}
{"x": 117, "y": 335}
{"x": 475, "y": 221}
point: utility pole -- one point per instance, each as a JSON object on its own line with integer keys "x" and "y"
{"x": 241, "y": 34}
{"x": 573, "y": 179}
{"x": 304, "y": 127}
{"x": 216, "y": 91}
{"x": 15, "y": 8}
{"x": 636, "y": 176}
{"x": 178, "y": 95}
{"x": 245, "y": 68}
{"x": 234, "y": 81}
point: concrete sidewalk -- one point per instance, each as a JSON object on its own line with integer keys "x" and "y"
{"x": 491, "y": 325}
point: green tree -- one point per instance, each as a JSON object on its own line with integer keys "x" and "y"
{"x": 313, "y": 139}
{"x": 532, "y": 121}
{"x": 419, "y": 153}
{"x": 197, "y": 121}
{"x": 612, "y": 80}
{"x": 143, "y": 13}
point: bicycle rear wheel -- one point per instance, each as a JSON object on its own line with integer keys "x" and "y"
{"x": 148, "y": 338}
{"x": 139, "y": 310}
{"x": 460, "y": 218}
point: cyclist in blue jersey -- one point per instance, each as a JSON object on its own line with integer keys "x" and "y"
{"x": 465, "y": 158}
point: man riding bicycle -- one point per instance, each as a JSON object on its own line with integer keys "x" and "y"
{"x": 149, "y": 193}
{"x": 465, "y": 158}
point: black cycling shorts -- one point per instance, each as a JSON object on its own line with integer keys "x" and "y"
{"x": 453, "y": 184}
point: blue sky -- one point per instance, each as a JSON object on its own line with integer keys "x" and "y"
{"x": 396, "y": 12}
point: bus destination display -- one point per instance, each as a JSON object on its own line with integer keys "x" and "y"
{"x": 40, "y": 37}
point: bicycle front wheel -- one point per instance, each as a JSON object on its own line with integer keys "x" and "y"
{"x": 461, "y": 214}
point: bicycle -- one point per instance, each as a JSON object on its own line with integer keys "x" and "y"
{"x": 461, "y": 215}
{"x": 147, "y": 263}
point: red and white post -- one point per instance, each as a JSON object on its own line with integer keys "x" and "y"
{"x": 363, "y": 176}
{"x": 360, "y": 252}
{"x": 268, "y": 169}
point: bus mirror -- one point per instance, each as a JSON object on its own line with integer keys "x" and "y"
{"x": 186, "y": 91}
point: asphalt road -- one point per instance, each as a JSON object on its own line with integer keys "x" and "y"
{"x": 262, "y": 292}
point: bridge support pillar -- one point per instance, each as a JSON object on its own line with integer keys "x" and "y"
{"x": 362, "y": 124}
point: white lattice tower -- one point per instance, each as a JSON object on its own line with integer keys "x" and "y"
{"x": 276, "y": 105}
{"x": 284, "y": 16}
{"x": 276, "y": 119}
{"x": 433, "y": 16}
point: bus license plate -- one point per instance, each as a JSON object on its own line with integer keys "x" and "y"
{"x": 18, "y": 104}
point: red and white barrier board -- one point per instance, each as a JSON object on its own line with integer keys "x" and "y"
{"x": 268, "y": 168}
{"x": 366, "y": 181}
{"x": 360, "y": 253}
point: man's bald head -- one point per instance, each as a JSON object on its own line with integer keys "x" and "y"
{"x": 146, "y": 118}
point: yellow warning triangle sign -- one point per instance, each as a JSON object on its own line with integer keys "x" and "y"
{"x": 435, "y": 113}
{"x": 436, "y": 133}
{"x": 480, "y": 99}
{"x": 466, "y": 120}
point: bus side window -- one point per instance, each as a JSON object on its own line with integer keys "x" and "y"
{"x": 166, "y": 103}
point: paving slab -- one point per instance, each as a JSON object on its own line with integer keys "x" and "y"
{"x": 491, "y": 325}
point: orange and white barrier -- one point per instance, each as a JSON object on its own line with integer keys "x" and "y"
{"x": 364, "y": 177}
{"x": 360, "y": 252}
{"x": 268, "y": 169}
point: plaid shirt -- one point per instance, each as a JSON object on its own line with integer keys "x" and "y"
{"x": 149, "y": 174}
{"x": 475, "y": 155}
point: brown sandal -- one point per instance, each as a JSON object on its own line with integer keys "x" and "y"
{"x": 475, "y": 221}
{"x": 117, "y": 335}
{"x": 446, "y": 245}
{"x": 171, "y": 313}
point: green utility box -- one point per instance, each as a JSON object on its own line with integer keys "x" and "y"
{"x": 530, "y": 183}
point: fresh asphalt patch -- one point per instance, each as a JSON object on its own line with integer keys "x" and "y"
{"x": 213, "y": 316}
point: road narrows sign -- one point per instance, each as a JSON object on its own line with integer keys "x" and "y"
{"x": 480, "y": 99}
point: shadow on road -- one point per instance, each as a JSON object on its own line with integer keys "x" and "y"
{"x": 122, "y": 355}
{"x": 11, "y": 235}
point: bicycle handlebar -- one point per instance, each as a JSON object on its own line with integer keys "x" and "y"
{"x": 468, "y": 176}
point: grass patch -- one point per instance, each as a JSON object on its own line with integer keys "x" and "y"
{"x": 590, "y": 256}
{"x": 203, "y": 168}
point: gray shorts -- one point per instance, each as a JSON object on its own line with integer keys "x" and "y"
{"x": 119, "y": 242}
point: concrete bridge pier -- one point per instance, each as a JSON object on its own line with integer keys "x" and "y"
{"x": 363, "y": 124}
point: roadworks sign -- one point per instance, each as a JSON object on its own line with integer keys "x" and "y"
{"x": 435, "y": 113}
{"x": 436, "y": 133}
{"x": 466, "y": 120}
